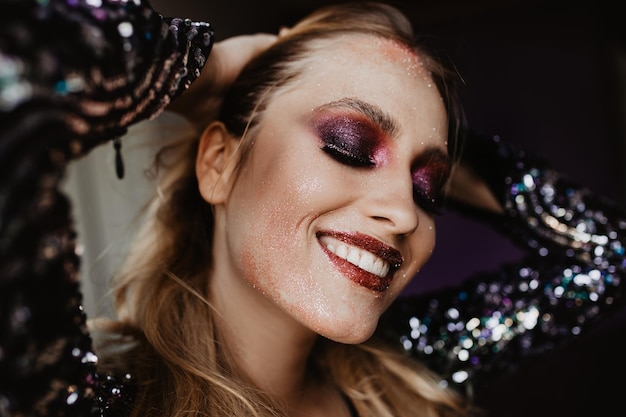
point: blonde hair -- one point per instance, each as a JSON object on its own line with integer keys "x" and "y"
{"x": 161, "y": 292}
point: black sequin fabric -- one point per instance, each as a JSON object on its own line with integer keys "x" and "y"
{"x": 73, "y": 74}
{"x": 76, "y": 73}
{"x": 572, "y": 275}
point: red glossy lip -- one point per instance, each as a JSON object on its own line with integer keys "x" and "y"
{"x": 356, "y": 274}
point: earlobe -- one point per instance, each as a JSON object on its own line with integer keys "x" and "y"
{"x": 212, "y": 162}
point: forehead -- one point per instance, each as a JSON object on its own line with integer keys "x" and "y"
{"x": 374, "y": 49}
{"x": 378, "y": 71}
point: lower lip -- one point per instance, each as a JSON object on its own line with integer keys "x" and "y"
{"x": 358, "y": 275}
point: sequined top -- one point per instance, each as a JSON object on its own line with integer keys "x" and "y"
{"x": 73, "y": 75}
{"x": 570, "y": 277}
{"x": 76, "y": 73}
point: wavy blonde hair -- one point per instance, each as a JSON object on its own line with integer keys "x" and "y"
{"x": 161, "y": 292}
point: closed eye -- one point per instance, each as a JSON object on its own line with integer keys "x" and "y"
{"x": 348, "y": 136}
{"x": 348, "y": 157}
{"x": 431, "y": 205}
{"x": 430, "y": 174}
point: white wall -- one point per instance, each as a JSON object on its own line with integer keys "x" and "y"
{"x": 107, "y": 209}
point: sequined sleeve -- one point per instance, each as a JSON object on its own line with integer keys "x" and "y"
{"x": 73, "y": 74}
{"x": 572, "y": 276}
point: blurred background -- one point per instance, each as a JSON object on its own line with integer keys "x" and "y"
{"x": 550, "y": 76}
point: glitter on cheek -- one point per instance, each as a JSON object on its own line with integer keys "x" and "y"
{"x": 315, "y": 307}
{"x": 306, "y": 189}
{"x": 300, "y": 291}
{"x": 422, "y": 246}
{"x": 275, "y": 249}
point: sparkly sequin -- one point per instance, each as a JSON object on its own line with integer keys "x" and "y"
{"x": 73, "y": 74}
{"x": 572, "y": 276}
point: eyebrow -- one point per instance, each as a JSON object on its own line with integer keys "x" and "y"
{"x": 386, "y": 122}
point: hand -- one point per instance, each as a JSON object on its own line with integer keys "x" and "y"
{"x": 201, "y": 102}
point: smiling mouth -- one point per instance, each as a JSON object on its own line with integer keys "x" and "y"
{"x": 357, "y": 256}
{"x": 365, "y": 260}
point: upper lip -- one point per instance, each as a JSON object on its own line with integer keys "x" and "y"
{"x": 385, "y": 252}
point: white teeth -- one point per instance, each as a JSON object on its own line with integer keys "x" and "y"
{"x": 356, "y": 256}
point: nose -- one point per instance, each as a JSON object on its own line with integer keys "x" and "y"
{"x": 391, "y": 202}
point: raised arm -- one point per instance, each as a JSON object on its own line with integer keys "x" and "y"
{"x": 73, "y": 74}
{"x": 573, "y": 273}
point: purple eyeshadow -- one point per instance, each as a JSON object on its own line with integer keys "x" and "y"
{"x": 351, "y": 138}
{"x": 354, "y": 139}
{"x": 429, "y": 175}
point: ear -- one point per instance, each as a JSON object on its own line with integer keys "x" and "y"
{"x": 213, "y": 170}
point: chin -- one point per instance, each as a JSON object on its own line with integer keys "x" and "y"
{"x": 350, "y": 333}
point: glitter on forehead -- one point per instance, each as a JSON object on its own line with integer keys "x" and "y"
{"x": 389, "y": 49}
{"x": 397, "y": 52}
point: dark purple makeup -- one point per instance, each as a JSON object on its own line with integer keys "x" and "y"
{"x": 430, "y": 172}
{"x": 349, "y": 137}
{"x": 357, "y": 134}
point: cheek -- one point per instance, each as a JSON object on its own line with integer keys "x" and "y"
{"x": 422, "y": 243}
{"x": 269, "y": 210}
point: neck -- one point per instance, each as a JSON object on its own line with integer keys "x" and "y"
{"x": 274, "y": 351}
{"x": 269, "y": 346}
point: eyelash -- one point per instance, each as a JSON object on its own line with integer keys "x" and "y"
{"x": 347, "y": 157}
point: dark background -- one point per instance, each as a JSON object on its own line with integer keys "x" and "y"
{"x": 550, "y": 76}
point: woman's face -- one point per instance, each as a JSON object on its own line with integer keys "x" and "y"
{"x": 330, "y": 216}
